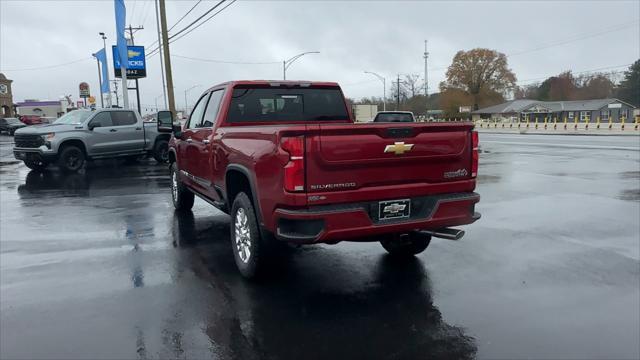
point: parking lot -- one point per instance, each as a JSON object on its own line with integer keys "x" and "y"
{"x": 98, "y": 265}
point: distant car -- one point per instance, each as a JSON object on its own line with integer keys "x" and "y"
{"x": 10, "y": 125}
{"x": 394, "y": 116}
{"x": 31, "y": 119}
{"x": 48, "y": 119}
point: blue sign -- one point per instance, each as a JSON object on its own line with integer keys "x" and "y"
{"x": 137, "y": 65}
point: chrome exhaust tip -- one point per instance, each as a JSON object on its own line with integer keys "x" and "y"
{"x": 445, "y": 233}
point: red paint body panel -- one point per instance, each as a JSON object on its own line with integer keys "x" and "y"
{"x": 336, "y": 152}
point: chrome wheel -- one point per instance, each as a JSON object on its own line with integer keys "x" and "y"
{"x": 174, "y": 186}
{"x": 242, "y": 236}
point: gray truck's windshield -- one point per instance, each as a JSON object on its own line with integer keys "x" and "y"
{"x": 74, "y": 117}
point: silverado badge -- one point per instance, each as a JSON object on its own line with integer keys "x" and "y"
{"x": 398, "y": 148}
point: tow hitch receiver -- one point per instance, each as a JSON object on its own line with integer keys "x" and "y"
{"x": 445, "y": 233}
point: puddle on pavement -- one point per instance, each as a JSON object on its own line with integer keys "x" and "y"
{"x": 630, "y": 175}
{"x": 488, "y": 179}
{"x": 630, "y": 195}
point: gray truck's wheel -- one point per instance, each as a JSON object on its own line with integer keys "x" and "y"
{"x": 410, "y": 245}
{"x": 181, "y": 196}
{"x": 71, "y": 158}
{"x": 249, "y": 248}
{"x": 36, "y": 164}
{"x": 161, "y": 151}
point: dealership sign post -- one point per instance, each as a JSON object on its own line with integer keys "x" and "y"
{"x": 84, "y": 91}
{"x": 136, "y": 66}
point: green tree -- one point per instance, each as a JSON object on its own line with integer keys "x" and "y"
{"x": 629, "y": 88}
{"x": 481, "y": 74}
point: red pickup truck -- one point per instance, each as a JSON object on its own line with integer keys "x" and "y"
{"x": 286, "y": 162}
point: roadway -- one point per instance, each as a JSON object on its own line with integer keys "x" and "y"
{"x": 97, "y": 265}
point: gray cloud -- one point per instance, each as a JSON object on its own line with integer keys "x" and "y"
{"x": 380, "y": 36}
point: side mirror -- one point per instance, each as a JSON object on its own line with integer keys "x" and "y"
{"x": 177, "y": 131}
{"x": 165, "y": 121}
{"x": 94, "y": 125}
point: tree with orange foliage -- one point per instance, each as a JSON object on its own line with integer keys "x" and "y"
{"x": 480, "y": 77}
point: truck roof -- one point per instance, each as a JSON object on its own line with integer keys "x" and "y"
{"x": 278, "y": 82}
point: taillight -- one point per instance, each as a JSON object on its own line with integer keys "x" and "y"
{"x": 294, "y": 169}
{"x": 474, "y": 153}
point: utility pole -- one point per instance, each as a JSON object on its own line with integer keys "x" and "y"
{"x": 398, "y": 94}
{"x": 131, "y": 29}
{"x": 426, "y": 78}
{"x": 167, "y": 57}
{"x": 115, "y": 91}
{"x": 164, "y": 85}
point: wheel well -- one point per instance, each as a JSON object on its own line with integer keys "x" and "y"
{"x": 77, "y": 143}
{"x": 237, "y": 182}
{"x": 161, "y": 137}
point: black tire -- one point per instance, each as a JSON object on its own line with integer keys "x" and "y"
{"x": 405, "y": 246}
{"x": 181, "y": 196}
{"x": 161, "y": 151}
{"x": 71, "y": 158}
{"x": 12, "y": 131}
{"x": 251, "y": 250}
{"x": 37, "y": 165}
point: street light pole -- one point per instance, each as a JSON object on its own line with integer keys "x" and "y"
{"x": 104, "y": 47}
{"x": 287, "y": 63}
{"x": 186, "y": 104}
{"x": 99, "y": 80}
{"x": 384, "y": 88}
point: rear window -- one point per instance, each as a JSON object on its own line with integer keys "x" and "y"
{"x": 286, "y": 104}
{"x": 393, "y": 117}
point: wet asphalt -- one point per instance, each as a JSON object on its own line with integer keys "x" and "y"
{"x": 98, "y": 265}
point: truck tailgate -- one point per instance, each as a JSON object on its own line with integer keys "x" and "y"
{"x": 349, "y": 157}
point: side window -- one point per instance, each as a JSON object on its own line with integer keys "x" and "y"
{"x": 102, "y": 119}
{"x": 123, "y": 118}
{"x": 195, "y": 119}
{"x": 211, "y": 112}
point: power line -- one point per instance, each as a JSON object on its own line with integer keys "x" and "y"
{"x": 145, "y": 12}
{"x": 155, "y": 50}
{"x": 227, "y": 61}
{"x": 49, "y": 66}
{"x": 579, "y": 72}
{"x": 196, "y": 20}
{"x": 574, "y": 38}
{"x": 174, "y": 25}
{"x": 185, "y": 15}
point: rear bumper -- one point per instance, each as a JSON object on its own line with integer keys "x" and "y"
{"x": 359, "y": 221}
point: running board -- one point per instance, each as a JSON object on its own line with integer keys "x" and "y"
{"x": 445, "y": 233}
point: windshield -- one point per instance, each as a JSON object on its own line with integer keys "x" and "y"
{"x": 393, "y": 117}
{"x": 74, "y": 117}
{"x": 13, "y": 121}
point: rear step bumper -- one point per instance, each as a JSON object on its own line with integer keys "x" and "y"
{"x": 358, "y": 222}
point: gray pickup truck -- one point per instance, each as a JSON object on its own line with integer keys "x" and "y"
{"x": 82, "y": 135}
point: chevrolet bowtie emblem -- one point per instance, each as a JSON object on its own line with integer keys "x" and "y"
{"x": 398, "y": 148}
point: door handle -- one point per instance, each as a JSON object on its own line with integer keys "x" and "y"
{"x": 113, "y": 130}
{"x": 206, "y": 141}
{"x": 189, "y": 140}
{"x": 138, "y": 128}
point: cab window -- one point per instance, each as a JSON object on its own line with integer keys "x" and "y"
{"x": 102, "y": 119}
{"x": 211, "y": 112}
{"x": 195, "y": 120}
{"x": 123, "y": 118}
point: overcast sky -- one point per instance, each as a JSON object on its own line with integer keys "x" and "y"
{"x": 384, "y": 37}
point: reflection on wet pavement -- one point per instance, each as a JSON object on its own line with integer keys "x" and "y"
{"x": 99, "y": 265}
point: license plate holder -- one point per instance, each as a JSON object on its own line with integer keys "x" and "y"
{"x": 394, "y": 209}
